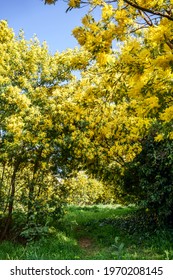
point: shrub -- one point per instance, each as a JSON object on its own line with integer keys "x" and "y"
{"x": 149, "y": 177}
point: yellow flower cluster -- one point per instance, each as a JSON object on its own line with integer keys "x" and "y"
{"x": 74, "y": 3}
{"x": 49, "y": 2}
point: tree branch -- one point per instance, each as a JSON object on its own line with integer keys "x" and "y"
{"x": 146, "y": 18}
{"x": 148, "y": 10}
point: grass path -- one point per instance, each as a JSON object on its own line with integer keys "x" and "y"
{"x": 98, "y": 232}
{"x": 116, "y": 232}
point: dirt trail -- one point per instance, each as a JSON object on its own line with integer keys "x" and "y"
{"x": 85, "y": 243}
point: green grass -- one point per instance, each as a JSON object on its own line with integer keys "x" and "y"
{"x": 97, "y": 232}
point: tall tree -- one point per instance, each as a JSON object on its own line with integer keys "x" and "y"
{"x": 34, "y": 87}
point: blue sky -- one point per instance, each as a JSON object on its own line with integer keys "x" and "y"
{"x": 49, "y": 22}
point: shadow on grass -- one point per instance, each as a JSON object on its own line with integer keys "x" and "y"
{"x": 58, "y": 247}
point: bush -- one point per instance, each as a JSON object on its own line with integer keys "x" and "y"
{"x": 149, "y": 177}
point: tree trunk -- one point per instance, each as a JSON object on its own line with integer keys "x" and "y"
{"x": 1, "y": 186}
{"x": 32, "y": 187}
{"x": 11, "y": 200}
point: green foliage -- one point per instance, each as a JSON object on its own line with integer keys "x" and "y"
{"x": 118, "y": 248}
{"x": 33, "y": 232}
{"x": 149, "y": 177}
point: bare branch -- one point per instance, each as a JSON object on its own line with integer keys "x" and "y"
{"x": 146, "y": 18}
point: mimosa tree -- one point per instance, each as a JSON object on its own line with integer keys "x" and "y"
{"x": 127, "y": 91}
